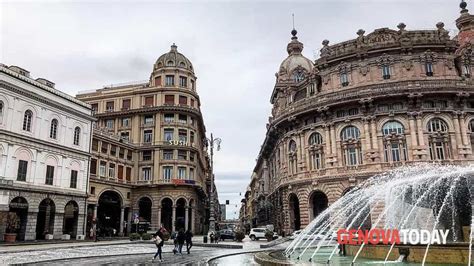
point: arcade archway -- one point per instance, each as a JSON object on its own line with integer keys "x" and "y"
{"x": 19, "y": 206}
{"x": 71, "y": 215}
{"x": 167, "y": 213}
{"x": 180, "y": 214}
{"x": 45, "y": 218}
{"x": 294, "y": 206}
{"x": 108, "y": 214}
{"x": 318, "y": 203}
{"x": 144, "y": 209}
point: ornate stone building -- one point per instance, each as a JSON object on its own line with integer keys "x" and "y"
{"x": 149, "y": 153}
{"x": 44, "y": 157}
{"x": 382, "y": 100}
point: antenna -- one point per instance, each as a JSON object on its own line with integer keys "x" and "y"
{"x": 293, "y": 16}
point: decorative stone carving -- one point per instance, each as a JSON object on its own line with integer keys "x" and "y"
{"x": 326, "y": 50}
{"x": 428, "y": 57}
{"x": 407, "y": 63}
{"x": 363, "y": 68}
{"x": 385, "y": 60}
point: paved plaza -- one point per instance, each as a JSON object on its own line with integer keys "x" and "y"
{"x": 118, "y": 252}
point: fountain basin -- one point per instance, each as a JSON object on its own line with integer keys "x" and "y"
{"x": 452, "y": 253}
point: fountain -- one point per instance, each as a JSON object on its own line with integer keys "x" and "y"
{"x": 426, "y": 198}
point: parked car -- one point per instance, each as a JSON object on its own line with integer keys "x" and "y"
{"x": 227, "y": 234}
{"x": 257, "y": 233}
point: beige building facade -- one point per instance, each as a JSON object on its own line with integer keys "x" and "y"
{"x": 385, "y": 99}
{"x": 149, "y": 151}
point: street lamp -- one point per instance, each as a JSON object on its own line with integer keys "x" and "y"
{"x": 211, "y": 142}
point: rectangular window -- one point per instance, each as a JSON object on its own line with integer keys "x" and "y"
{"x": 386, "y": 72}
{"x": 93, "y": 167}
{"x": 109, "y": 106}
{"x": 158, "y": 81}
{"x": 191, "y": 174}
{"x": 193, "y": 122}
{"x": 113, "y": 150}
{"x": 49, "y": 175}
{"x": 192, "y": 103}
{"x": 183, "y": 82}
{"x": 191, "y": 156}
{"x": 102, "y": 168}
{"x": 169, "y": 81}
{"x": 168, "y": 134}
{"x": 146, "y": 155}
{"x": 92, "y": 190}
{"x": 169, "y": 99}
{"x": 429, "y": 69}
{"x": 149, "y": 101}
{"x": 191, "y": 137}
{"x": 95, "y": 145}
{"x": 147, "y": 136}
{"x": 182, "y": 172}
{"x": 183, "y": 135}
{"x": 121, "y": 153}
{"x": 128, "y": 174}
{"x": 73, "y": 179}
{"x": 182, "y": 155}
{"x": 344, "y": 79}
{"x": 167, "y": 154}
{"x": 104, "y": 148}
{"x": 22, "y": 170}
{"x": 95, "y": 107}
{"x": 126, "y": 121}
{"x": 109, "y": 124}
{"x": 169, "y": 118}
{"x": 129, "y": 155}
{"x": 192, "y": 84}
{"x": 125, "y": 136}
{"x": 120, "y": 172}
{"x": 167, "y": 173}
{"x": 146, "y": 173}
{"x": 183, "y": 119}
{"x": 112, "y": 170}
{"x": 148, "y": 120}
{"x": 183, "y": 100}
{"x": 126, "y": 104}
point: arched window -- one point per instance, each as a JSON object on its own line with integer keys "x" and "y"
{"x": 27, "y": 120}
{"x": 394, "y": 142}
{"x": 351, "y": 146}
{"x": 53, "y": 131}
{"x": 169, "y": 63}
{"x": 77, "y": 135}
{"x": 316, "y": 151}
{"x": 292, "y": 157}
{"x": 298, "y": 75}
{"x": 438, "y": 139}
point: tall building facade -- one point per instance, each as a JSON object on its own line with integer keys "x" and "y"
{"x": 368, "y": 105}
{"x": 44, "y": 157}
{"x": 149, "y": 151}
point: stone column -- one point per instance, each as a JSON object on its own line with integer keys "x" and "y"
{"x": 129, "y": 220}
{"x": 159, "y": 217}
{"x": 173, "y": 219}
{"x": 412, "y": 130}
{"x": 193, "y": 219}
{"x": 366, "y": 133}
{"x": 333, "y": 139}
{"x": 375, "y": 144}
{"x": 30, "y": 231}
{"x": 121, "y": 221}
{"x": 421, "y": 137}
{"x": 328, "y": 139}
{"x": 186, "y": 218}
{"x": 95, "y": 211}
{"x": 463, "y": 129}
{"x": 457, "y": 129}
{"x": 58, "y": 225}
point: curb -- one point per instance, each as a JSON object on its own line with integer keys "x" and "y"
{"x": 275, "y": 242}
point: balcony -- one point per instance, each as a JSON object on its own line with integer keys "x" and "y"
{"x": 148, "y": 124}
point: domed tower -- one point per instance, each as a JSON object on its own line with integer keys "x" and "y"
{"x": 161, "y": 123}
{"x": 295, "y": 70}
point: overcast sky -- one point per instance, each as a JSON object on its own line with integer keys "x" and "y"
{"x": 235, "y": 47}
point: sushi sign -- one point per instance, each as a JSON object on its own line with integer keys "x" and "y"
{"x": 178, "y": 142}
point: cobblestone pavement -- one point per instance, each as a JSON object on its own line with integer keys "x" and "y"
{"x": 128, "y": 253}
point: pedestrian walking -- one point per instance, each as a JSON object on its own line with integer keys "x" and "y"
{"x": 189, "y": 240}
{"x": 175, "y": 242}
{"x": 181, "y": 238}
{"x": 212, "y": 237}
{"x": 218, "y": 237}
{"x": 158, "y": 238}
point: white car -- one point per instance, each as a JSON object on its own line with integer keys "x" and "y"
{"x": 257, "y": 233}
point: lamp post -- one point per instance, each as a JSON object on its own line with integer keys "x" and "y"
{"x": 212, "y": 221}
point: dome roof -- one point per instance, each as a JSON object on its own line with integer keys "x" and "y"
{"x": 295, "y": 59}
{"x": 174, "y": 59}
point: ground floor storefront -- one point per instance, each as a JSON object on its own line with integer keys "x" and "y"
{"x": 41, "y": 215}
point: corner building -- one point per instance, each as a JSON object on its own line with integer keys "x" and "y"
{"x": 368, "y": 105}
{"x": 149, "y": 151}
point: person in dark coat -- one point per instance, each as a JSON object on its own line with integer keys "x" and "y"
{"x": 181, "y": 238}
{"x": 159, "y": 241}
{"x": 189, "y": 240}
